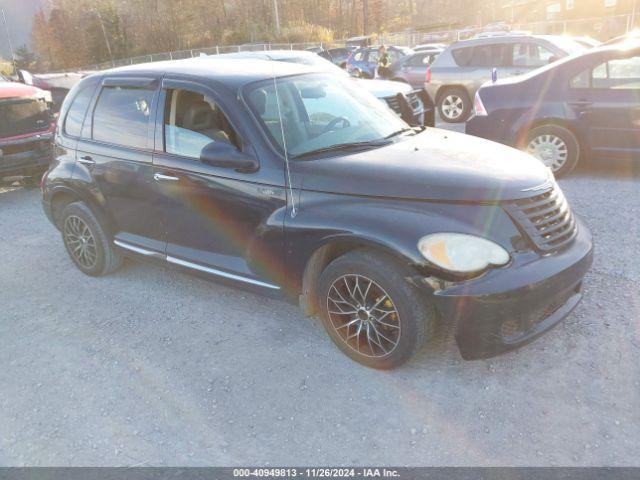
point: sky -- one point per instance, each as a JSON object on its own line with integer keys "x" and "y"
{"x": 19, "y": 14}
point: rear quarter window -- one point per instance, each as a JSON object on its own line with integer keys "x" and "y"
{"x": 77, "y": 110}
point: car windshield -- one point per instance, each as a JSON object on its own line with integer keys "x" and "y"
{"x": 322, "y": 112}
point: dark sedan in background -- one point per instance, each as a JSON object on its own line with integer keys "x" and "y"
{"x": 363, "y": 63}
{"x": 337, "y": 56}
{"x": 579, "y": 107}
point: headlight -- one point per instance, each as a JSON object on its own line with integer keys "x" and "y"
{"x": 460, "y": 253}
{"x": 47, "y": 97}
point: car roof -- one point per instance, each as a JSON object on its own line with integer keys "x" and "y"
{"x": 268, "y": 54}
{"x": 501, "y": 38}
{"x": 228, "y": 71}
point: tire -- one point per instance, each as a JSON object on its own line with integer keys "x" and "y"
{"x": 95, "y": 256}
{"x": 408, "y": 320}
{"x": 454, "y": 105}
{"x": 555, "y": 146}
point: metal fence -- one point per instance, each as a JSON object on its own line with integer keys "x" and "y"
{"x": 196, "y": 52}
{"x": 601, "y": 28}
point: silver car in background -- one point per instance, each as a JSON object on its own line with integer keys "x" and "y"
{"x": 455, "y": 76}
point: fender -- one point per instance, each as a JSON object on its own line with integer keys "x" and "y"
{"x": 392, "y": 226}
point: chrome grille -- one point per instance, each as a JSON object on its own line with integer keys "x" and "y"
{"x": 414, "y": 101}
{"x": 546, "y": 219}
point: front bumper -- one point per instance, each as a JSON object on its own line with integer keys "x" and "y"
{"x": 509, "y": 307}
{"x": 26, "y": 156}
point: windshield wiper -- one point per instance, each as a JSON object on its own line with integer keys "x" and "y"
{"x": 400, "y": 132}
{"x": 342, "y": 147}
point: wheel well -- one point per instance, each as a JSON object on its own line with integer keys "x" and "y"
{"x": 59, "y": 202}
{"x": 322, "y": 257}
{"x": 61, "y": 199}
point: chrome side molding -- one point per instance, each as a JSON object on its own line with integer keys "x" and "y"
{"x": 141, "y": 251}
{"x": 220, "y": 273}
{"x": 193, "y": 266}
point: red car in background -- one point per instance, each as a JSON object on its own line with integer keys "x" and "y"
{"x": 26, "y": 131}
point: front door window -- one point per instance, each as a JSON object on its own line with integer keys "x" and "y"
{"x": 192, "y": 121}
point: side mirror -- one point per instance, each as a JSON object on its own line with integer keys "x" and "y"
{"x": 226, "y": 155}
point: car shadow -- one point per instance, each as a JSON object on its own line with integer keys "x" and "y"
{"x": 609, "y": 168}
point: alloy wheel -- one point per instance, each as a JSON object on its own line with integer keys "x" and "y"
{"x": 452, "y": 107}
{"x": 80, "y": 241}
{"x": 363, "y": 315}
{"x": 550, "y": 149}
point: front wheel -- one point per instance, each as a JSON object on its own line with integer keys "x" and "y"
{"x": 555, "y": 146}
{"x": 371, "y": 312}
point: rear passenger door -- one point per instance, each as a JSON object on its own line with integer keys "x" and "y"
{"x": 606, "y": 101}
{"x": 484, "y": 59}
{"x": 115, "y": 155}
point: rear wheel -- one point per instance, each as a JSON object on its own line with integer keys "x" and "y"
{"x": 454, "y": 105}
{"x": 370, "y": 311}
{"x": 86, "y": 241}
{"x": 555, "y": 146}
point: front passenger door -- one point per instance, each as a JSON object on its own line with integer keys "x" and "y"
{"x": 217, "y": 220}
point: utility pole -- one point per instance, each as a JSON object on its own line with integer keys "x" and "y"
{"x": 633, "y": 14}
{"x": 6, "y": 27}
{"x": 277, "y": 15}
{"x": 365, "y": 14}
{"x": 106, "y": 38}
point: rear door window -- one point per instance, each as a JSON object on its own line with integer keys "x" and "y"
{"x": 527, "y": 54}
{"x": 492, "y": 55}
{"x": 122, "y": 116}
{"x": 619, "y": 74}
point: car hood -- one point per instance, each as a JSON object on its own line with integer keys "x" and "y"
{"x": 17, "y": 90}
{"x": 384, "y": 88}
{"x": 434, "y": 165}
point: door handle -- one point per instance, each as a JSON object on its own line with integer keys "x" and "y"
{"x": 159, "y": 177}
{"x": 86, "y": 160}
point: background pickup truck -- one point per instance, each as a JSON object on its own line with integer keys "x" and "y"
{"x": 26, "y": 130}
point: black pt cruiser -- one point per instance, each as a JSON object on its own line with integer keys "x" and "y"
{"x": 299, "y": 183}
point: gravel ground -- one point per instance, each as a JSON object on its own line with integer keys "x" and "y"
{"x": 153, "y": 367}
